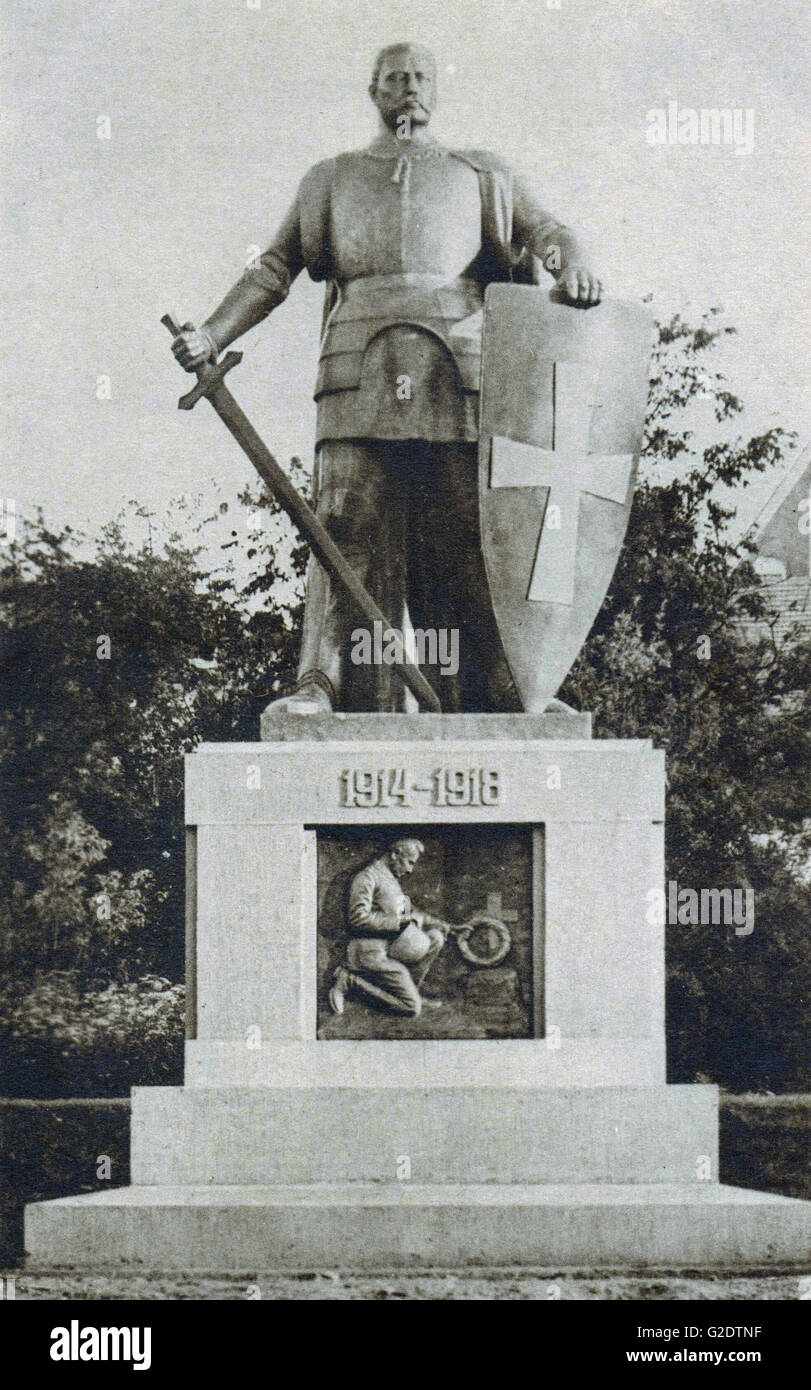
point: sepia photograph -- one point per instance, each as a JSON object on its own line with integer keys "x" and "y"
{"x": 405, "y": 608}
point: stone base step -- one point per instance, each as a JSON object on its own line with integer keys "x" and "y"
{"x": 396, "y": 1225}
{"x": 436, "y": 728}
{"x": 476, "y": 1134}
{"x": 447, "y": 1063}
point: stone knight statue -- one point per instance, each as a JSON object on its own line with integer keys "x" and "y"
{"x": 407, "y": 234}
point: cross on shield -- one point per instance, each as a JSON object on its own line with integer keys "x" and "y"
{"x": 567, "y": 470}
{"x": 562, "y": 410}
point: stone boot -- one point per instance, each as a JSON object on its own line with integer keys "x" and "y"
{"x": 313, "y": 695}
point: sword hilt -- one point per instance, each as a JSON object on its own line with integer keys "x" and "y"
{"x": 208, "y": 376}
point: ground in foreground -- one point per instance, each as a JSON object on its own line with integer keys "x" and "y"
{"x": 447, "y": 1285}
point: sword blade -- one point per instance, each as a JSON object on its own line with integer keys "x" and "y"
{"x": 313, "y": 530}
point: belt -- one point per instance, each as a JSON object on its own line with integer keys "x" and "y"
{"x": 352, "y": 288}
{"x": 418, "y": 296}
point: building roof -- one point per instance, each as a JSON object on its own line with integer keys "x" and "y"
{"x": 789, "y": 602}
{"x": 783, "y": 561}
{"x": 781, "y": 529}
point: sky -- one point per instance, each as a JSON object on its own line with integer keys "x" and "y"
{"x": 215, "y": 109}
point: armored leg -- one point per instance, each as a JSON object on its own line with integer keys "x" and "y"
{"x": 360, "y": 500}
{"x": 405, "y": 515}
{"x": 447, "y": 582}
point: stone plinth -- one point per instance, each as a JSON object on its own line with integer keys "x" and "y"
{"x": 595, "y": 809}
{"x": 292, "y": 1146}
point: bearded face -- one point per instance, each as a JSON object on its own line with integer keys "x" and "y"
{"x": 405, "y": 90}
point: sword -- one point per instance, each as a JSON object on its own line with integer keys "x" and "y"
{"x": 210, "y": 383}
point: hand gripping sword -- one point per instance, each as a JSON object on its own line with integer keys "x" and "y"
{"x": 210, "y": 383}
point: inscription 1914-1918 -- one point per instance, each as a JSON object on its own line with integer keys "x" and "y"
{"x": 446, "y": 786}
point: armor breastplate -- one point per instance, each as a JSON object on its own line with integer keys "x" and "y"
{"x": 420, "y": 213}
{"x": 405, "y": 237}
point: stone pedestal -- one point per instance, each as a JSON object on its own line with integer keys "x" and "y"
{"x": 537, "y": 1129}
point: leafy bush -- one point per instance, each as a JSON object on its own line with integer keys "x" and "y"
{"x": 764, "y": 1143}
{"x": 60, "y": 1038}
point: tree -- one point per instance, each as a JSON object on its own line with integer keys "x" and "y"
{"x": 116, "y": 662}
{"x": 665, "y": 660}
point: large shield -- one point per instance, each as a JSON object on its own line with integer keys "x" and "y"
{"x": 563, "y": 399}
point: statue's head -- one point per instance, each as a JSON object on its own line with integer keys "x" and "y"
{"x": 403, "y": 86}
{"x": 403, "y": 855}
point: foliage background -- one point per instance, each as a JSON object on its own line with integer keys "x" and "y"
{"x": 203, "y": 620}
